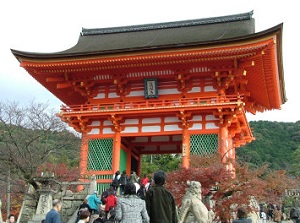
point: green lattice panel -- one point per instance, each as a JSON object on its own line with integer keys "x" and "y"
{"x": 100, "y": 154}
{"x": 123, "y": 160}
{"x": 204, "y": 144}
{"x": 103, "y": 186}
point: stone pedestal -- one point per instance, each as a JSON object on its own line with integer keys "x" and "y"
{"x": 44, "y": 205}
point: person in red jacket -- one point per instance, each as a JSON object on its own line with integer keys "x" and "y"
{"x": 145, "y": 180}
{"x": 110, "y": 202}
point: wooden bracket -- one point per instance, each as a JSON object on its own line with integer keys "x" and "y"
{"x": 184, "y": 84}
{"x": 184, "y": 117}
{"x": 121, "y": 86}
{"x": 116, "y": 120}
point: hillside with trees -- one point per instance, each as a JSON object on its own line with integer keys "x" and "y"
{"x": 277, "y": 145}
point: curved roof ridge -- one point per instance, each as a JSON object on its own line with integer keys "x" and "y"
{"x": 166, "y": 25}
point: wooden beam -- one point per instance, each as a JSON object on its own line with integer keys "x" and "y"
{"x": 64, "y": 85}
{"x": 55, "y": 79}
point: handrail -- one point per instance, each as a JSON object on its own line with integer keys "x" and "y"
{"x": 152, "y": 104}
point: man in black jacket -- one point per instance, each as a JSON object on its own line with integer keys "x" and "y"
{"x": 160, "y": 202}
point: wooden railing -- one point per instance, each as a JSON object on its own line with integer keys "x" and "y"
{"x": 153, "y": 104}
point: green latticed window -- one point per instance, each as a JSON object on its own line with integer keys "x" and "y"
{"x": 100, "y": 154}
{"x": 204, "y": 144}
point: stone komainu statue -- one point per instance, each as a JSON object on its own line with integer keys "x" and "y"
{"x": 192, "y": 209}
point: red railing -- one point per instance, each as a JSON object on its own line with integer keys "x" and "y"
{"x": 153, "y": 104}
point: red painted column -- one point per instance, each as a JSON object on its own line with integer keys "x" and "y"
{"x": 116, "y": 152}
{"x": 223, "y": 141}
{"x": 186, "y": 156}
{"x": 231, "y": 149}
{"x": 84, "y": 155}
{"x": 83, "y": 163}
{"x": 128, "y": 163}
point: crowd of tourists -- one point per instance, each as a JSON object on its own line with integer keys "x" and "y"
{"x": 128, "y": 199}
{"x": 277, "y": 213}
{"x": 133, "y": 199}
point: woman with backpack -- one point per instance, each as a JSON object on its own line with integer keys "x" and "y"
{"x": 116, "y": 181}
{"x": 123, "y": 181}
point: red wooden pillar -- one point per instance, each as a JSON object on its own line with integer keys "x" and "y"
{"x": 231, "y": 155}
{"x": 230, "y": 149}
{"x": 116, "y": 152}
{"x": 84, "y": 155}
{"x": 185, "y": 148}
{"x": 83, "y": 163}
{"x": 223, "y": 142}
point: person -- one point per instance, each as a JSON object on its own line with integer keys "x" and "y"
{"x": 263, "y": 216}
{"x": 93, "y": 202}
{"x": 160, "y": 202}
{"x": 84, "y": 216}
{"x": 145, "y": 180}
{"x": 142, "y": 192}
{"x": 105, "y": 194}
{"x": 110, "y": 202}
{"x": 11, "y": 218}
{"x": 101, "y": 218}
{"x": 148, "y": 185}
{"x": 133, "y": 178}
{"x": 294, "y": 215}
{"x": 130, "y": 208}
{"x": 83, "y": 206}
{"x": 123, "y": 181}
{"x": 270, "y": 211}
{"x": 242, "y": 216}
{"x": 277, "y": 214}
{"x": 116, "y": 181}
{"x": 111, "y": 216}
{"x": 53, "y": 215}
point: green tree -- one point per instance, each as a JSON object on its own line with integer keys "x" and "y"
{"x": 30, "y": 136}
{"x": 295, "y": 170}
{"x": 166, "y": 162}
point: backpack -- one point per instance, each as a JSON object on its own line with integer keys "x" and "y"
{"x": 115, "y": 182}
{"x": 123, "y": 179}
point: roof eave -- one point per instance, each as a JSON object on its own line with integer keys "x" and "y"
{"x": 21, "y": 55}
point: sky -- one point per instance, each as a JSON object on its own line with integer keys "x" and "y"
{"x": 52, "y": 26}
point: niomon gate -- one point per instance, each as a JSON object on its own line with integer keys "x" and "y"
{"x": 180, "y": 87}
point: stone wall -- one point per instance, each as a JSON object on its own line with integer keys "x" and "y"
{"x": 34, "y": 208}
{"x": 70, "y": 202}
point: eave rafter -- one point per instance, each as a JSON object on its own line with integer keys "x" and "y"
{"x": 149, "y": 59}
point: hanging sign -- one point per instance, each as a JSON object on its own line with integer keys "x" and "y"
{"x": 151, "y": 88}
